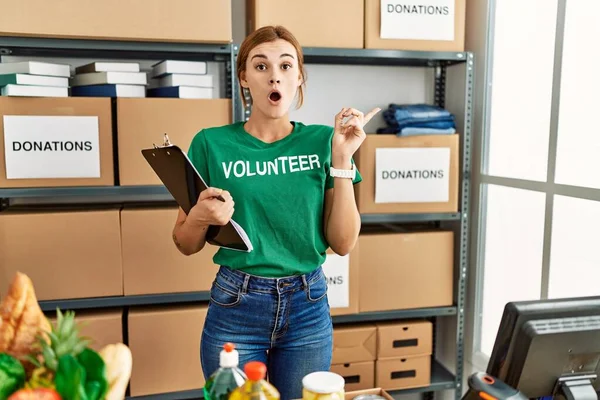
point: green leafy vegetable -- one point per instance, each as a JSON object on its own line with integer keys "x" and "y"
{"x": 12, "y": 375}
{"x": 82, "y": 377}
{"x": 95, "y": 368}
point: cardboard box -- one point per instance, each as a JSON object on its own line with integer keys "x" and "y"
{"x": 406, "y": 270}
{"x": 152, "y": 263}
{"x": 354, "y": 344}
{"x": 142, "y": 122}
{"x": 165, "y": 344}
{"x": 154, "y": 20}
{"x": 67, "y": 255}
{"x": 103, "y": 327}
{"x": 377, "y": 391}
{"x": 422, "y": 177}
{"x": 59, "y": 106}
{"x": 403, "y": 373}
{"x": 421, "y": 26}
{"x": 358, "y": 376}
{"x": 342, "y": 282}
{"x": 404, "y": 339}
{"x": 310, "y": 21}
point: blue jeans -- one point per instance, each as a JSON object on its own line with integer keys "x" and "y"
{"x": 283, "y": 322}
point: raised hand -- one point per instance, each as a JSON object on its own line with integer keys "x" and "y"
{"x": 348, "y": 132}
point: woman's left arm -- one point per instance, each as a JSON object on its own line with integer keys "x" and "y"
{"x": 341, "y": 216}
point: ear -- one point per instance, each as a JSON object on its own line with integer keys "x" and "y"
{"x": 243, "y": 81}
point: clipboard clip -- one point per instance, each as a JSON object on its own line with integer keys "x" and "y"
{"x": 166, "y": 142}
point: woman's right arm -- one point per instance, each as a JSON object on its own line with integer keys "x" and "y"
{"x": 189, "y": 233}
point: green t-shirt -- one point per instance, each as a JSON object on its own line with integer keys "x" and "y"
{"x": 279, "y": 194}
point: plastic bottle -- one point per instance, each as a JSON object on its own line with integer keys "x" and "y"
{"x": 227, "y": 378}
{"x": 256, "y": 387}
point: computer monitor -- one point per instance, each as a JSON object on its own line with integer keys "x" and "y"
{"x": 549, "y": 348}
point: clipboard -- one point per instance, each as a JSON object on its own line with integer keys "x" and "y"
{"x": 182, "y": 180}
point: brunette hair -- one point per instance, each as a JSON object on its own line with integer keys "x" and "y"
{"x": 264, "y": 35}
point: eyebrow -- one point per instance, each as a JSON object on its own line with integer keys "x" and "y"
{"x": 263, "y": 56}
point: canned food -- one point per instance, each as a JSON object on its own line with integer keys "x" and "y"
{"x": 323, "y": 385}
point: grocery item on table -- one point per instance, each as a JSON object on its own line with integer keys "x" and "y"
{"x": 323, "y": 385}
{"x": 255, "y": 387}
{"x": 227, "y": 378}
{"x": 52, "y": 362}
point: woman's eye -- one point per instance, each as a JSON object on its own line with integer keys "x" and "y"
{"x": 286, "y": 66}
{"x": 261, "y": 67}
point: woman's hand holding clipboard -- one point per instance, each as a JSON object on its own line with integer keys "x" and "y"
{"x": 214, "y": 207}
{"x": 187, "y": 187}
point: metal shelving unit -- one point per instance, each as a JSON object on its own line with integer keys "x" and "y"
{"x": 154, "y": 194}
{"x": 204, "y": 296}
{"x": 84, "y": 48}
{"x": 73, "y": 197}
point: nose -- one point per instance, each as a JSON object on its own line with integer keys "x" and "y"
{"x": 272, "y": 81}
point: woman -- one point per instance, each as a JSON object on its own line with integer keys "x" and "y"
{"x": 293, "y": 190}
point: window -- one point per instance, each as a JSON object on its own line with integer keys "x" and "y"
{"x": 575, "y": 257}
{"x": 521, "y": 88}
{"x": 539, "y": 185}
{"x": 578, "y": 146}
{"x": 514, "y": 238}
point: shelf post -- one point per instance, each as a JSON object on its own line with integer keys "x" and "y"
{"x": 464, "y": 224}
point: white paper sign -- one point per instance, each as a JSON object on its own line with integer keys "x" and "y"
{"x": 417, "y": 19}
{"x": 337, "y": 270}
{"x": 412, "y": 175}
{"x": 43, "y": 147}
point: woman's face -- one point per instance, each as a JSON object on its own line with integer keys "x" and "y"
{"x": 273, "y": 76}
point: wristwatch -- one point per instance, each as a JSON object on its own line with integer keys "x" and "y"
{"x": 343, "y": 173}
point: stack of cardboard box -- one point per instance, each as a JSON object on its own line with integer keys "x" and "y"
{"x": 393, "y": 355}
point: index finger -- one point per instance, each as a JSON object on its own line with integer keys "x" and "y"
{"x": 371, "y": 114}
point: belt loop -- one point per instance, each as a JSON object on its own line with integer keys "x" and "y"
{"x": 304, "y": 282}
{"x": 245, "y": 285}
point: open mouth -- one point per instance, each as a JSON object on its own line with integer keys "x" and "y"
{"x": 275, "y": 96}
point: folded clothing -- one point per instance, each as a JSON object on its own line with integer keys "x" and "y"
{"x": 412, "y": 131}
{"x": 411, "y": 112}
{"x": 399, "y": 117}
